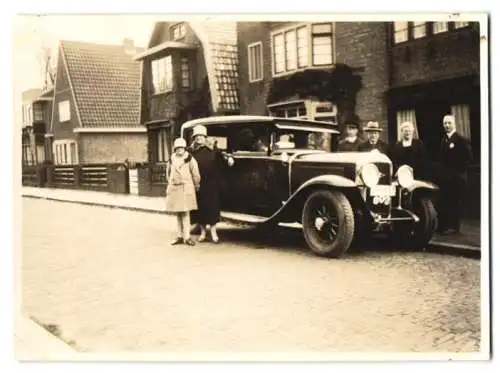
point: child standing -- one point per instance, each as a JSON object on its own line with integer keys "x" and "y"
{"x": 183, "y": 178}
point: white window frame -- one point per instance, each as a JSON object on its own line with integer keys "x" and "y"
{"x": 251, "y": 58}
{"x": 459, "y": 25}
{"x": 310, "y": 48}
{"x": 178, "y": 31}
{"x": 159, "y": 66}
{"x": 419, "y": 26}
{"x": 397, "y": 29}
{"x": 64, "y": 116}
{"x": 64, "y": 158}
{"x": 185, "y": 73}
{"x": 439, "y": 27}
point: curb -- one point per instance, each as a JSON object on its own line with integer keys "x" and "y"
{"x": 433, "y": 246}
{"x": 100, "y": 204}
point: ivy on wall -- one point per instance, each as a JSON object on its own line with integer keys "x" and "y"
{"x": 338, "y": 85}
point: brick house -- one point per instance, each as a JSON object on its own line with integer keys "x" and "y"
{"x": 95, "y": 116}
{"x": 435, "y": 71}
{"x": 331, "y": 71}
{"x": 36, "y": 115}
{"x": 188, "y": 71}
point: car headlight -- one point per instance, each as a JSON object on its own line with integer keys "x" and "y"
{"x": 404, "y": 174}
{"x": 370, "y": 175}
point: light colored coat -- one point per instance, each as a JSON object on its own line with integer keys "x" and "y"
{"x": 183, "y": 178}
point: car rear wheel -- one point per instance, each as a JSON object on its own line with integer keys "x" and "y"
{"x": 328, "y": 223}
{"x": 417, "y": 235}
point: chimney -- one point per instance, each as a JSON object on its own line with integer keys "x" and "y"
{"x": 128, "y": 44}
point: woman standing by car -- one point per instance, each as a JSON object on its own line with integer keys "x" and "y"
{"x": 183, "y": 179}
{"x": 211, "y": 163}
{"x": 410, "y": 151}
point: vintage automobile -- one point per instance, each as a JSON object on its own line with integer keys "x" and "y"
{"x": 288, "y": 171}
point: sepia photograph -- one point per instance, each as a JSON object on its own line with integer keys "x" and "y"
{"x": 265, "y": 187}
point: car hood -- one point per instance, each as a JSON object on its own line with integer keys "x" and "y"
{"x": 358, "y": 158}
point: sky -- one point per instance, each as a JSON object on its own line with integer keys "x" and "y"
{"x": 31, "y": 33}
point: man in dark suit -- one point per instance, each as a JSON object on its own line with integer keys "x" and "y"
{"x": 352, "y": 141}
{"x": 373, "y": 130}
{"x": 455, "y": 157}
{"x": 410, "y": 151}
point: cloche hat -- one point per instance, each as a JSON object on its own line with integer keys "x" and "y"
{"x": 180, "y": 143}
{"x": 199, "y": 130}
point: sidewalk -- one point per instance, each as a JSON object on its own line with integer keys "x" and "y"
{"x": 468, "y": 243}
{"x": 33, "y": 343}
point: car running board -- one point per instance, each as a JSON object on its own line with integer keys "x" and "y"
{"x": 245, "y": 218}
{"x": 254, "y": 219}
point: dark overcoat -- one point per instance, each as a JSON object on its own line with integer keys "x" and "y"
{"x": 211, "y": 165}
{"x": 414, "y": 156}
{"x": 381, "y": 146}
{"x": 347, "y": 146}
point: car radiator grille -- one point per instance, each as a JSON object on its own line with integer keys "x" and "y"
{"x": 386, "y": 170}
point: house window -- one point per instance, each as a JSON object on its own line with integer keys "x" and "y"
{"x": 38, "y": 112}
{"x": 161, "y": 146}
{"x": 439, "y": 27}
{"x": 297, "y": 47}
{"x": 290, "y": 111}
{"x": 178, "y": 31}
{"x": 255, "y": 72}
{"x": 322, "y": 44}
{"x": 162, "y": 75}
{"x": 65, "y": 152}
{"x": 461, "y": 24}
{"x": 400, "y": 32}
{"x": 186, "y": 78}
{"x": 64, "y": 113}
{"x": 462, "y": 119}
{"x": 419, "y": 30}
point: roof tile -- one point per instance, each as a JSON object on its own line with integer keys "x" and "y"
{"x": 106, "y": 83}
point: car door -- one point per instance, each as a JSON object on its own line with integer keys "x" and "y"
{"x": 247, "y": 179}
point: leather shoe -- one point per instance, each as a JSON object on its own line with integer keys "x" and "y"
{"x": 177, "y": 241}
{"x": 189, "y": 242}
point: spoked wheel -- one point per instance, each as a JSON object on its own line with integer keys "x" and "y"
{"x": 328, "y": 223}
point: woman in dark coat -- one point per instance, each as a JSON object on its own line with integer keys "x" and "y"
{"x": 211, "y": 164}
{"x": 410, "y": 151}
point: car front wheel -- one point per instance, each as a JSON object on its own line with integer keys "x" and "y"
{"x": 417, "y": 235}
{"x": 328, "y": 223}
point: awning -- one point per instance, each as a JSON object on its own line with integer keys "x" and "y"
{"x": 168, "y": 45}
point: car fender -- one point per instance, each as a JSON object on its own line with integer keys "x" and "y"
{"x": 327, "y": 180}
{"x": 420, "y": 185}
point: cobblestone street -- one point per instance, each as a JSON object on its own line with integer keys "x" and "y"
{"x": 110, "y": 280}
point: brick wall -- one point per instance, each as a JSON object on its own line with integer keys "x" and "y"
{"x": 358, "y": 44}
{"x": 363, "y": 46}
{"x": 447, "y": 55}
{"x": 112, "y": 147}
{"x": 63, "y": 130}
{"x": 253, "y": 95}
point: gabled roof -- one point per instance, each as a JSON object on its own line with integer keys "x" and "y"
{"x": 219, "y": 41}
{"x": 105, "y": 81}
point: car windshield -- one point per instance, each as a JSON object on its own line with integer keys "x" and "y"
{"x": 299, "y": 139}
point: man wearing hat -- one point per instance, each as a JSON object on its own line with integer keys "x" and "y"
{"x": 373, "y": 130}
{"x": 352, "y": 141}
{"x": 211, "y": 164}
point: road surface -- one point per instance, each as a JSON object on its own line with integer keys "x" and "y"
{"x": 111, "y": 282}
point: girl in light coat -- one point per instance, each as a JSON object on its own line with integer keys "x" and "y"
{"x": 183, "y": 180}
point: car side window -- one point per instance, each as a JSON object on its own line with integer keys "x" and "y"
{"x": 250, "y": 139}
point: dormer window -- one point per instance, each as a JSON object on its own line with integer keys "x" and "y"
{"x": 162, "y": 72}
{"x": 178, "y": 31}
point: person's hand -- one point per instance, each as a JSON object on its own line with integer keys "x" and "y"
{"x": 230, "y": 161}
{"x": 197, "y": 187}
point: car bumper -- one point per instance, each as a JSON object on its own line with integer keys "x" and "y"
{"x": 396, "y": 214}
